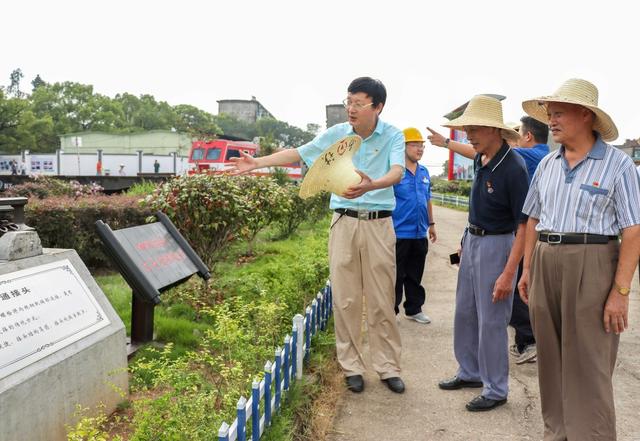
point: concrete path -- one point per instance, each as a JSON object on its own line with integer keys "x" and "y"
{"x": 426, "y": 413}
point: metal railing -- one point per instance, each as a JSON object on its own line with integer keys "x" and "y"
{"x": 279, "y": 373}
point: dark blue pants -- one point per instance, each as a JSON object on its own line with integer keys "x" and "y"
{"x": 410, "y": 259}
{"x": 520, "y": 318}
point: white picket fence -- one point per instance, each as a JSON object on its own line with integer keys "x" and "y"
{"x": 458, "y": 201}
{"x": 266, "y": 395}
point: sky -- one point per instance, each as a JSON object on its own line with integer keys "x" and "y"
{"x": 296, "y": 57}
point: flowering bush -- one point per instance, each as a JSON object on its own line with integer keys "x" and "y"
{"x": 42, "y": 187}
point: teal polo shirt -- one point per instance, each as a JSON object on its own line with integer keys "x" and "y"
{"x": 382, "y": 149}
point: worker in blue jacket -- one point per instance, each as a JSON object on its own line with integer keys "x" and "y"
{"x": 412, "y": 219}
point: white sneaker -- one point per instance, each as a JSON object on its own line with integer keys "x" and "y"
{"x": 513, "y": 350}
{"x": 420, "y": 317}
{"x": 528, "y": 355}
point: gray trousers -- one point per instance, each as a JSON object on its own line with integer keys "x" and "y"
{"x": 480, "y": 339}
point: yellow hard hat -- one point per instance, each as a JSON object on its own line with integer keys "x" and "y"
{"x": 412, "y": 135}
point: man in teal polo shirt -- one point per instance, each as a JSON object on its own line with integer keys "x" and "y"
{"x": 361, "y": 240}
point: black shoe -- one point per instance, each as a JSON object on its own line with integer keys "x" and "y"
{"x": 395, "y": 384}
{"x": 457, "y": 383}
{"x": 355, "y": 383}
{"x": 481, "y": 404}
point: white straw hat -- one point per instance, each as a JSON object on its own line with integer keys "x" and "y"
{"x": 574, "y": 91}
{"x": 483, "y": 111}
{"x": 333, "y": 171}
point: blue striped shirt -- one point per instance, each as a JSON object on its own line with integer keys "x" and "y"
{"x": 599, "y": 195}
{"x": 382, "y": 149}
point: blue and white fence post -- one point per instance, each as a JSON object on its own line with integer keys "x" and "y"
{"x": 307, "y": 333}
{"x": 223, "y": 432}
{"x": 255, "y": 410}
{"x": 321, "y": 305}
{"x": 287, "y": 361}
{"x": 277, "y": 378}
{"x": 314, "y": 317}
{"x": 267, "y": 394}
{"x": 298, "y": 324}
{"x": 294, "y": 350}
{"x": 242, "y": 419}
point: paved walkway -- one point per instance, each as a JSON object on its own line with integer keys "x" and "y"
{"x": 426, "y": 413}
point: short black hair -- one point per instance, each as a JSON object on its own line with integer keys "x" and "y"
{"x": 372, "y": 87}
{"x": 539, "y": 130}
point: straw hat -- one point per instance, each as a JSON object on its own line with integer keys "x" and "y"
{"x": 483, "y": 111}
{"x": 333, "y": 171}
{"x": 514, "y": 125}
{"x": 574, "y": 91}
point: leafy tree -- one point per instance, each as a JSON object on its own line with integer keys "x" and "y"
{"x": 19, "y": 128}
{"x": 37, "y": 82}
{"x": 231, "y": 125}
{"x": 313, "y": 128}
{"x": 14, "y": 87}
{"x": 198, "y": 123}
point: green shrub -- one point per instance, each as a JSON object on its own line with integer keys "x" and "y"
{"x": 461, "y": 188}
{"x": 141, "y": 189}
{"x": 63, "y": 222}
{"x": 209, "y": 210}
{"x": 268, "y": 202}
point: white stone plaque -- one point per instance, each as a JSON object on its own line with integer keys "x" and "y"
{"x": 42, "y": 310}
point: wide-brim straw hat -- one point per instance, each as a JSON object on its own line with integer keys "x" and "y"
{"x": 333, "y": 171}
{"x": 514, "y": 125}
{"x": 574, "y": 91}
{"x": 483, "y": 111}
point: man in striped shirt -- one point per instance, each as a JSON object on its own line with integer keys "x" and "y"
{"x": 576, "y": 275}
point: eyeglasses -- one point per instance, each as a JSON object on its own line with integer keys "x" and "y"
{"x": 358, "y": 106}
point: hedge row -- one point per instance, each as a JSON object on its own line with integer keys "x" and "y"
{"x": 64, "y": 222}
{"x": 461, "y": 188}
{"x": 211, "y": 211}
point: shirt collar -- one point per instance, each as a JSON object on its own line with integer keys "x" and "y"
{"x": 379, "y": 128}
{"x": 597, "y": 151}
{"x": 496, "y": 160}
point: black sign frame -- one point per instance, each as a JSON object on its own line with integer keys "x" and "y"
{"x": 145, "y": 294}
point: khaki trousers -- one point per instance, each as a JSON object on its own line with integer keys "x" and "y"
{"x": 576, "y": 357}
{"x": 362, "y": 264}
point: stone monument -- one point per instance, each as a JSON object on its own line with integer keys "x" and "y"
{"x": 61, "y": 342}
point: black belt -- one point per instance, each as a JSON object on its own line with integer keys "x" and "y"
{"x": 363, "y": 214}
{"x": 477, "y": 231}
{"x": 575, "y": 238}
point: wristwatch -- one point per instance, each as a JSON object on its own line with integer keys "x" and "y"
{"x": 446, "y": 142}
{"x": 621, "y": 290}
